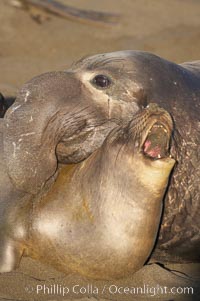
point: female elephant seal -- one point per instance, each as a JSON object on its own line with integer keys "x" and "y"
{"x": 101, "y": 217}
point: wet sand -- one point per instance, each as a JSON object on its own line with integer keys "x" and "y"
{"x": 170, "y": 29}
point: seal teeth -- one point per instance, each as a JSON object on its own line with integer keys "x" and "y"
{"x": 158, "y": 126}
{"x": 156, "y": 145}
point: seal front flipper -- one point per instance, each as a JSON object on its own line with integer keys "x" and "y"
{"x": 10, "y": 254}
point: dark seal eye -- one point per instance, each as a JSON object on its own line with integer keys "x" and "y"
{"x": 101, "y": 81}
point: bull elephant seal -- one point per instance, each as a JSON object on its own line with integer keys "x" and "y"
{"x": 65, "y": 116}
{"x": 100, "y": 218}
{"x": 176, "y": 88}
{"x": 56, "y": 117}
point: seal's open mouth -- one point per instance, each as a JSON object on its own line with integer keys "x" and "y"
{"x": 156, "y": 144}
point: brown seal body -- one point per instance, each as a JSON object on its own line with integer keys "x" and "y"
{"x": 65, "y": 116}
{"x": 100, "y": 218}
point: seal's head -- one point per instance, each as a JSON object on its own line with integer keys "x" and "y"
{"x": 62, "y": 117}
{"x": 152, "y": 135}
{"x": 106, "y": 210}
{"x": 145, "y": 145}
{"x": 126, "y": 180}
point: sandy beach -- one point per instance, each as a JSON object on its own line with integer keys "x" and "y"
{"x": 170, "y": 29}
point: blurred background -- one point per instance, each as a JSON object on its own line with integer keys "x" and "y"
{"x": 33, "y": 41}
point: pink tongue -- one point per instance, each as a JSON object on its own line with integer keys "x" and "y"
{"x": 154, "y": 151}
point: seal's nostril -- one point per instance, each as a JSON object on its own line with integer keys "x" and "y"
{"x": 141, "y": 97}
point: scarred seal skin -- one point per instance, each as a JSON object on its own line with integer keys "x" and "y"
{"x": 100, "y": 218}
{"x": 63, "y": 117}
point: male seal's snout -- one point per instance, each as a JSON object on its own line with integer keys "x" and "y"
{"x": 64, "y": 120}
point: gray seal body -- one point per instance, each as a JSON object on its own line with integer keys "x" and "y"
{"x": 63, "y": 117}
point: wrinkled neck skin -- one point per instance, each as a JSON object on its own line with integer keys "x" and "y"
{"x": 180, "y": 224}
{"x": 179, "y": 94}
